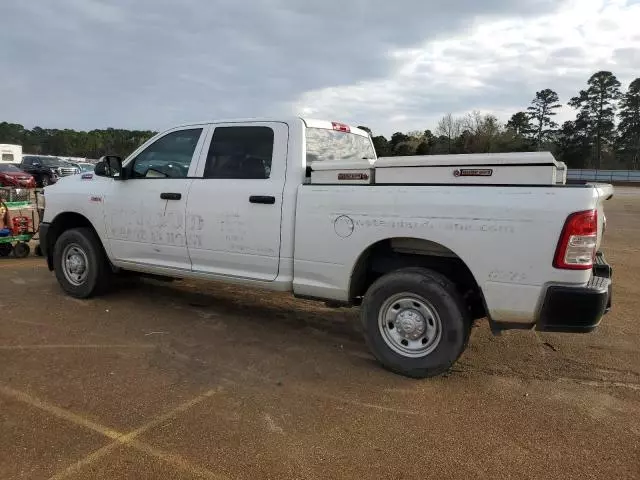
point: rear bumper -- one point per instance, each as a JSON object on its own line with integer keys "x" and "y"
{"x": 578, "y": 309}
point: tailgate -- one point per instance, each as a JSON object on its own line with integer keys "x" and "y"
{"x": 605, "y": 192}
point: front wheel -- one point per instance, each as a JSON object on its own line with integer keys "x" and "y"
{"x": 415, "y": 322}
{"x": 80, "y": 264}
{"x": 45, "y": 181}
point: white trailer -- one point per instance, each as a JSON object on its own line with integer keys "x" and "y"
{"x": 10, "y": 153}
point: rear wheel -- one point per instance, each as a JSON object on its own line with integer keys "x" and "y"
{"x": 5, "y": 249}
{"x": 80, "y": 264}
{"x": 415, "y": 322}
{"x": 45, "y": 181}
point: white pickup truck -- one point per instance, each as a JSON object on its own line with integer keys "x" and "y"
{"x": 424, "y": 245}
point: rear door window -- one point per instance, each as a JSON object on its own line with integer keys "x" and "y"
{"x": 244, "y": 152}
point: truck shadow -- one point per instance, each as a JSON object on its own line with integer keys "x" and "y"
{"x": 279, "y": 311}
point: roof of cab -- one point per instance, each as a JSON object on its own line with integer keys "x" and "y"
{"x": 308, "y": 122}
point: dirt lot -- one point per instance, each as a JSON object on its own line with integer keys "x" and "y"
{"x": 193, "y": 380}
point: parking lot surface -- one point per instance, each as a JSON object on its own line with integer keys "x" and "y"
{"x": 199, "y": 380}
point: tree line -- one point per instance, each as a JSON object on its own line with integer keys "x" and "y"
{"x": 73, "y": 143}
{"x": 604, "y": 134}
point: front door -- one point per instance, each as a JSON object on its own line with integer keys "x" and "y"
{"x": 145, "y": 214}
{"x": 234, "y": 209}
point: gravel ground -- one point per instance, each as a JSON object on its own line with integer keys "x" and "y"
{"x": 195, "y": 380}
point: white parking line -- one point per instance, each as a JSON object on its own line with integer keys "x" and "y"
{"x": 126, "y": 439}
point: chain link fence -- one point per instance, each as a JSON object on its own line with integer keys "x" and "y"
{"x": 10, "y": 194}
{"x": 604, "y": 176}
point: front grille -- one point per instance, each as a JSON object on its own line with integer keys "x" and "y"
{"x": 67, "y": 171}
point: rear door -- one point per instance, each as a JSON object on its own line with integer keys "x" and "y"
{"x": 234, "y": 209}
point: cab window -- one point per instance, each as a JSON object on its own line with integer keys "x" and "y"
{"x": 244, "y": 152}
{"x": 168, "y": 157}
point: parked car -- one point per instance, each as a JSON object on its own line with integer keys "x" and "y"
{"x": 83, "y": 166}
{"x": 12, "y": 176}
{"x": 424, "y": 244}
{"x": 47, "y": 170}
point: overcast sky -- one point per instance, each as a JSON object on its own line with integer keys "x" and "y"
{"x": 390, "y": 65}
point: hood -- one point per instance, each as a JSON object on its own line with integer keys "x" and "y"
{"x": 19, "y": 175}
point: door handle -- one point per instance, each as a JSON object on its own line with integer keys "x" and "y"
{"x": 266, "y": 199}
{"x": 170, "y": 196}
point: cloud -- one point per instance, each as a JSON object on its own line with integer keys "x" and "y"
{"x": 496, "y": 67}
{"x": 390, "y": 65}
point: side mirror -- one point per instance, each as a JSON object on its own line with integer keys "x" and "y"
{"x": 109, "y": 166}
{"x": 36, "y": 164}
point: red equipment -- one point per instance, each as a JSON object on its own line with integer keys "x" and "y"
{"x": 21, "y": 225}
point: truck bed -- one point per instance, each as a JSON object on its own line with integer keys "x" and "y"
{"x": 505, "y": 235}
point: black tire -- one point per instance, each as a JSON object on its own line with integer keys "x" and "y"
{"x": 98, "y": 273}
{"x": 451, "y": 319}
{"x": 5, "y": 249}
{"x": 38, "y": 250}
{"x": 21, "y": 250}
{"x": 45, "y": 181}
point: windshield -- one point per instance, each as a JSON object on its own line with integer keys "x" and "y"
{"x": 9, "y": 168}
{"x": 328, "y": 145}
{"x": 54, "y": 162}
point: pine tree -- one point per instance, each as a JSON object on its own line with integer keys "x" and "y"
{"x": 541, "y": 113}
{"x": 596, "y": 110}
{"x": 629, "y": 128}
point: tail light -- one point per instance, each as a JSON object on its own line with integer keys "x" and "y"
{"x": 577, "y": 246}
{"x": 341, "y": 127}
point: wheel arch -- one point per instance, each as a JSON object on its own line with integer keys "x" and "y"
{"x": 62, "y": 222}
{"x": 394, "y": 253}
